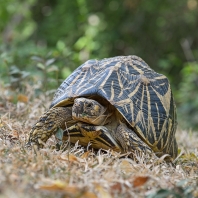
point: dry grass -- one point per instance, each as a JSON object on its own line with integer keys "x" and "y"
{"x": 78, "y": 172}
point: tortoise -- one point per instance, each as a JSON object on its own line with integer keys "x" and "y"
{"x": 116, "y": 103}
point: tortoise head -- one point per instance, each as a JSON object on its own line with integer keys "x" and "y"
{"x": 89, "y": 111}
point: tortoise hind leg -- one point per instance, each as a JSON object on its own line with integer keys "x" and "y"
{"x": 48, "y": 124}
{"x": 171, "y": 148}
{"x": 129, "y": 140}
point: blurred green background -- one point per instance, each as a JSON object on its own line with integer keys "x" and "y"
{"x": 42, "y": 42}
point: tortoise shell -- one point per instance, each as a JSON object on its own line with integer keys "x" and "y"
{"x": 141, "y": 95}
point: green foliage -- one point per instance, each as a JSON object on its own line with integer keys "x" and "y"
{"x": 187, "y": 95}
{"x": 16, "y": 22}
{"x": 164, "y": 33}
{"x": 17, "y": 76}
{"x": 180, "y": 191}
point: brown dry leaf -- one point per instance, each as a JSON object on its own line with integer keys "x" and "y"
{"x": 56, "y": 186}
{"x": 85, "y": 155}
{"x": 15, "y": 134}
{"x": 10, "y": 98}
{"x": 116, "y": 187}
{"x": 126, "y": 167}
{"x": 22, "y": 98}
{"x": 69, "y": 190}
{"x": 103, "y": 193}
{"x": 87, "y": 194}
{"x": 69, "y": 157}
{"x": 140, "y": 180}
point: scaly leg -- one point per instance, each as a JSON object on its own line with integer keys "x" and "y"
{"x": 129, "y": 140}
{"x": 48, "y": 124}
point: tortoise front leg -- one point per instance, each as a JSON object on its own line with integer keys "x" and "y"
{"x": 48, "y": 124}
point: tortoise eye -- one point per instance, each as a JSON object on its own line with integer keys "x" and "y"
{"x": 89, "y": 105}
